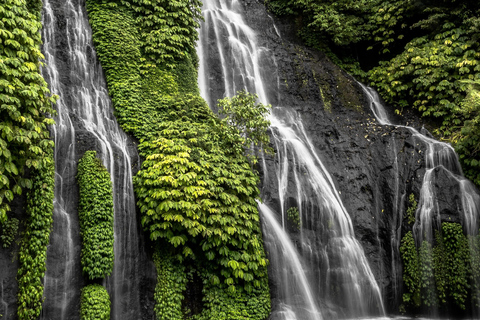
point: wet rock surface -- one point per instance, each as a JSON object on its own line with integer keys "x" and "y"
{"x": 375, "y": 168}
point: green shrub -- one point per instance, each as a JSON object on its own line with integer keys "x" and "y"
{"x": 94, "y": 303}
{"x": 294, "y": 216}
{"x": 96, "y": 216}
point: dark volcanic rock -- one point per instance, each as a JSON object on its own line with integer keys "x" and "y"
{"x": 374, "y": 167}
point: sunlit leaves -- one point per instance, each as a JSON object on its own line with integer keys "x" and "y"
{"x": 94, "y": 303}
{"x": 24, "y": 97}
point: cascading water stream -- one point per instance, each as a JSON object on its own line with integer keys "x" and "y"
{"x": 438, "y": 155}
{"x": 328, "y": 258}
{"x": 85, "y": 115}
{"x": 442, "y": 156}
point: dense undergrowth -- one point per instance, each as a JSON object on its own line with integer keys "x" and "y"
{"x": 443, "y": 273}
{"x": 26, "y": 152}
{"x": 422, "y": 55}
{"x": 196, "y": 188}
{"x": 95, "y": 212}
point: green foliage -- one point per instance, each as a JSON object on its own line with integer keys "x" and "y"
{"x": 248, "y": 118}
{"x": 171, "y": 283}
{"x": 33, "y": 250}
{"x": 412, "y": 208}
{"x": 427, "y": 75}
{"x": 223, "y": 303}
{"x": 411, "y": 272}
{"x": 95, "y": 211}
{"x": 456, "y": 261}
{"x": 24, "y": 101}
{"x": 196, "y": 189}
{"x": 94, "y": 303}
{"x": 8, "y": 232}
{"x": 168, "y": 28}
{"x": 427, "y": 278}
{"x": 294, "y": 217}
{"x": 445, "y": 275}
{"x": 468, "y": 145}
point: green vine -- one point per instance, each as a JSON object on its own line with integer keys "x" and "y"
{"x": 8, "y": 232}
{"x": 33, "y": 250}
{"x": 412, "y": 208}
{"x": 94, "y": 303}
{"x": 95, "y": 211}
{"x": 171, "y": 283}
{"x": 24, "y": 99}
{"x": 444, "y": 275}
{"x": 411, "y": 272}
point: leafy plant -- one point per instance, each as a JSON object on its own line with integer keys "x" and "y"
{"x": 24, "y": 99}
{"x": 96, "y": 216}
{"x": 33, "y": 248}
{"x": 8, "y": 232}
{"x": 249, "y": 118}
{"x": 412, "y": 208}
{"x": 294, "y": 216}
{"x": 411, "y": 273}
{"x": 94, "y": 303}
{"x": 196, "y": 189}
{"x": 171, "y": 283}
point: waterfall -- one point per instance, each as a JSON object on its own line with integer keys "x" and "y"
{"x": 326, "y": 271}
{"x": 85, "y": 121}
{"x": 438, "y": 156}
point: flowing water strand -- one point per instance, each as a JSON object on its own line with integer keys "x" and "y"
{"x": 442, "y": 156}
{"x": 334, "y": 262}
{"x": 439, "y": 155}
{"x": 296, "y": 292}
{"x": 84, "y": 97}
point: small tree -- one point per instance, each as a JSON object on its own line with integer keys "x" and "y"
{"x": 249, "y": 118}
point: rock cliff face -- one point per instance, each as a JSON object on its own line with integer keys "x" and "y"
{"x": 374, "y": 167}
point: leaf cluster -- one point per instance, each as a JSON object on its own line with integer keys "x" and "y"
{"x": 171, "y": 283}
{"x": 444, "y": 274}
{"x": 24, "y": 101}
{"x": 168, "y": 28}
{"x": 412, "y": 208}
{"x": 293, "y": 216}
{"x": 8, "y": 232}
{"x": 95, "y": 211}
{"x": 222, "y": 303}
{"x": 94, "y": 303}
{"x": 33, "y": 249}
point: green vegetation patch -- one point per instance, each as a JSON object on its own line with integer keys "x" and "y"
{"x": 94, "y": 303}
{"x": 95, "y": 211}
{"x": 196, "y": 188}
{"x": 33, "y": 251}
{"x": 24, "y": 101}
{"x": 443, "y": 274}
